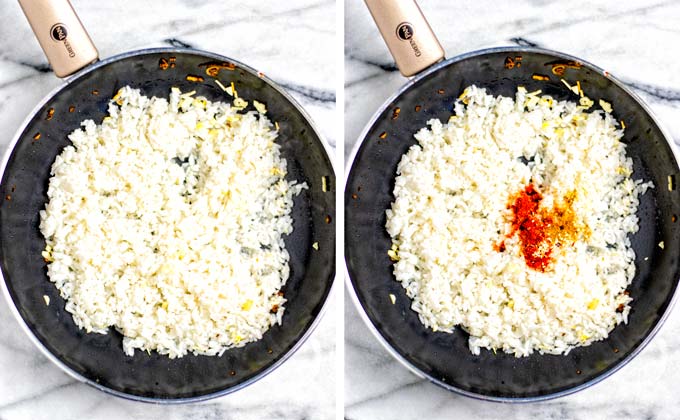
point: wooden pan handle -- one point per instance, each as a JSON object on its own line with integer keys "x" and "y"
{"x": 61, "y": 35}
{"x": 407, "y": 34}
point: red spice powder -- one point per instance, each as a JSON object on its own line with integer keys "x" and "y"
{"x": 532, "y": 233}
{"x": 541, "y": 229}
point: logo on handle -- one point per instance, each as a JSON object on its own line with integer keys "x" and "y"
{"x": 405, "y": 33}
{"x": 59, "y": 33}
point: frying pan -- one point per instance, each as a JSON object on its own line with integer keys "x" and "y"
{"x": 445, "y": 359}
{"x": 99, "y": 359}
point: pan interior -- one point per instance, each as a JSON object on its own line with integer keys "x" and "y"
{"x": 99, "y": 358}
{"x": 445, "y": 358}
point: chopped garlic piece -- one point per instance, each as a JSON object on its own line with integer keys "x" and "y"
{"x": 315, "y": 245}
{"x": 661, "y": 245}
{"x": 47, "y": 300}
{"x": 259, "y": 106}
{"x": 47, "y": 256}
{"x": 116, "y": 98}
{"x": 531, "y": 101}
{"x": 240, "y": 103}
{"x": 606, "y": 106}
{"x": 393, "y": 299}
{"x": 224, "y": 88}
{"x": 586, "y": 102}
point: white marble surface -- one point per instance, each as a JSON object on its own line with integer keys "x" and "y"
{"x": 289, "y": 41}
{"x": 638, "y": 41}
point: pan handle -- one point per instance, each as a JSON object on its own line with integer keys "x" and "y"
{"x": 407, "y": 34}
{"x": 61, "y": 35}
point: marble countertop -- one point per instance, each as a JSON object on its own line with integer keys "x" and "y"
{"x": 286, "y": 40}
{"x": 634, "y": 40}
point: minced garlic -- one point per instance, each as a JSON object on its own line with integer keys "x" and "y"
{"x": 606, "y": 106}
{"x": 259, "y": 106}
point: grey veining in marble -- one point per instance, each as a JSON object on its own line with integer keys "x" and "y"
{"x": 289, "y": 41}
{"x": 638, "y": 41}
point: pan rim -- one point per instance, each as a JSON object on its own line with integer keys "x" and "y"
{"x": 354, "y": 296}
{"x": 332, "y": 288}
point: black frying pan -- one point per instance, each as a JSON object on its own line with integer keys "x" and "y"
{"x": 445, "y": 358}
{"x": 99, "y": 359}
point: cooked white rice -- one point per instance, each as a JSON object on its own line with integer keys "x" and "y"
{"x": 451, "y": 210}
{"x": 166, "y": 222}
